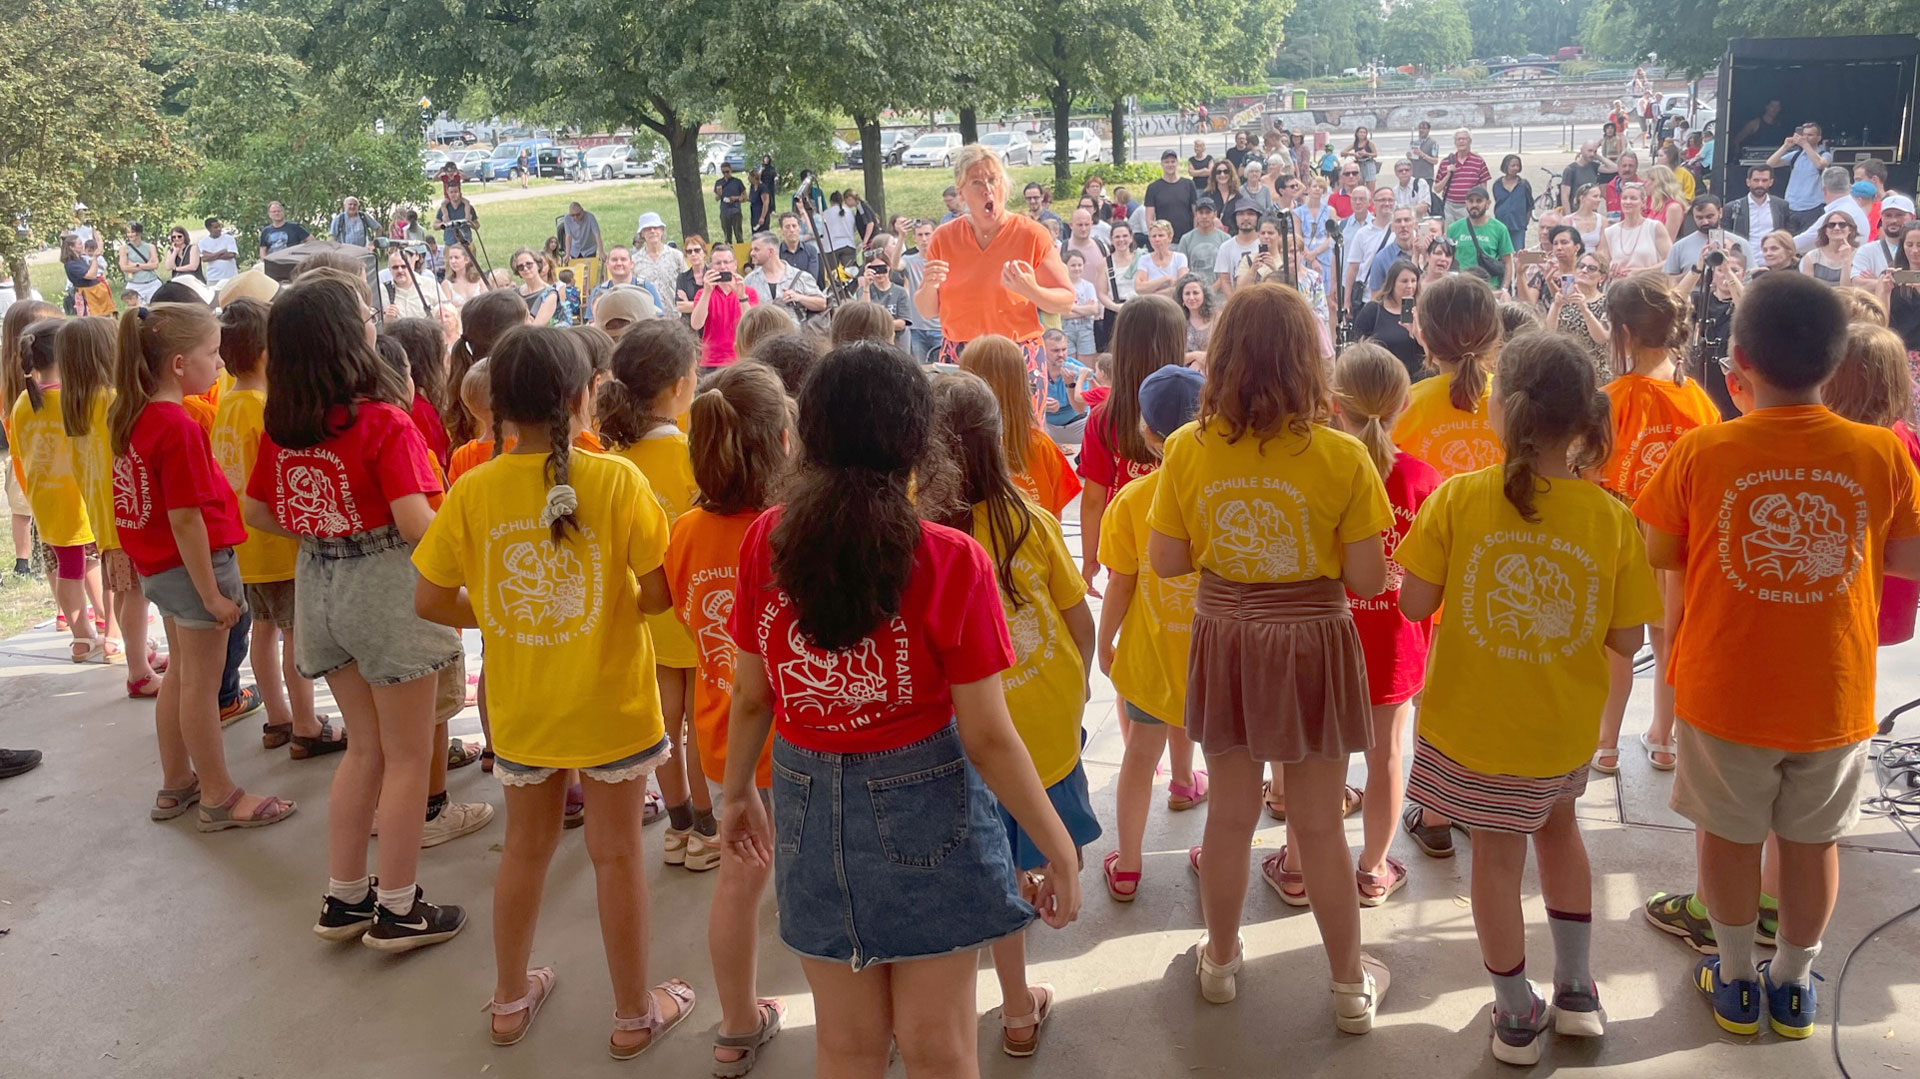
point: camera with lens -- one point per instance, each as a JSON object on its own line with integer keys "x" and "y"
{"x": 1715, "y": 258}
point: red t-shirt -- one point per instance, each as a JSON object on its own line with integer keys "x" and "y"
{"x": 169, "y": 465}
{"x": 894, "y": 688}
{"x": 1096, "y": 395}
{"x": 1100, "y": 463}
{"x": 1899, "y": 597}
{"x": 432, "y": 428}
{"x": 1396, "y": 649}
{"x": 1342, "y": 204}
{"x": 345, "y": 485}
{"x": 716, "y": 334}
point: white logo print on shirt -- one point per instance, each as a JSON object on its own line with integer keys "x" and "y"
{"x": 1796, "y": 537}
{"x": 314, "y": 499}
{"x": 716, "y": 645}
{"x": 548, "y": 593}
{"x": 132, "y": 491}
{"x": 816, "y": 681}
{"x": 1535, "y": 599}
{"x": 1529, "y": 596}
{"x": 227, "y": 449}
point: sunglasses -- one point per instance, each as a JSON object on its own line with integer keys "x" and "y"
{"x": 1354, "y": 173}
{"x": 1441, "y": 245}
{"x": 521, "y": 267}
{"x": 1588, "y": 267}
{"x": 1848, "y": 225}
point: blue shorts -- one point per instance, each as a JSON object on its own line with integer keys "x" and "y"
{"x": 1140, "y": 715}
{"x": 887, "y": 856}
{"x": 1075, "y": 806}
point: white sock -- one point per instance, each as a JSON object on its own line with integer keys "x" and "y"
{"x": 1736, "y": 949}
{"x": 1792, "y": 963}
{"x": 397, "y": 900}
{"x": 350, "y": 892}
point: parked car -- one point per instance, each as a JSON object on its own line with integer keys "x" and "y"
{"x": 1012, "y": 146}
{"x": 1674, "y": 107}
{"x": 469, "y": 162}
{"x": 504, "y": 162}
{"x": 893, "y": 147}
{"x": 431, "y": 161}
{"x": 556, "y": 162}
{"x": 1082, "y": 146}
{"x": 932, "y": 149}
{"x": 653, "y": 164}
{"x": 721, "y": 150}
{"x": 607, "y": 161}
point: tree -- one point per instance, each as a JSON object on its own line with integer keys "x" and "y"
{"x": 1516, "y": 27}
{"x": 1326, "y": 35}
{"x": 1692, "y": 34}
{"x": 66, "y": 132}
{"x": 1428, "y": 33}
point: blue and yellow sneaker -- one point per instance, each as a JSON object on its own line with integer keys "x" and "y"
{"x": 1736, "y": 1004}
{"x": 1790, "y": 1007}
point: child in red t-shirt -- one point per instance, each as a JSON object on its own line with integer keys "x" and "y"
{"x": 342, "y": 467}
{"x": 178, "y": 523}
{"x": 738, "y": 438}
{"x": 869, "y": 640}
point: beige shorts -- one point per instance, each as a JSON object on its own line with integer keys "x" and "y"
{"x": 16, "y": 499}
{"x": 1741, "y": 792}
{"x": 450, "y": 690}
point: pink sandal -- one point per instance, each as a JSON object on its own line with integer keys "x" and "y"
{"x": 1182, "y": 797}
{"x": 219, "y": 818}
{"x": 1115, "y": 878}
{"x": 145, "y": 689}
{"x": 539, "y": 988}
{"x": 1376, "y": 887}
{"x": 1273, "y": 870}
{"x": 680, "y": 991}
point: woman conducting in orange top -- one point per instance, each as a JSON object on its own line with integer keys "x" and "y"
{"x": 990, "y": 271}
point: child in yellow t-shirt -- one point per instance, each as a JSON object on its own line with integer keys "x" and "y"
{"x": 85, "y": 349}
{"x": 739, "y": 438}
{"x": 1153, "y": 619}
{"x": 266, "y": 560}
{"x": 540, "y": 549}
{"x": 1045, "y": 602}
{"x": 1445, "y": 423}
{"x": 1543, "y": 574}
{"x": 654, "y": 376}
{"x": 45, "y": 452}
{"x": 1781, "y": 523}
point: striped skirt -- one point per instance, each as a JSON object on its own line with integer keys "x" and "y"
{"x": 1496, "y": 803}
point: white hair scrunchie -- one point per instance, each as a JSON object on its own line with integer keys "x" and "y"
{"x": 561, "y": 501}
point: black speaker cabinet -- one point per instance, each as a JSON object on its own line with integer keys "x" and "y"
{"x": 1861, "y": 90}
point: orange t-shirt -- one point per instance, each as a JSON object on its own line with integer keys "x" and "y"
{"x": 703, "y": 565}
{"x": 1785, "y": 514}
{"x": 481, "y": 449}
{"x": 202, "y": 411}
{"x": 973, "y": 302}
{"x": 1049, "y": 478}
{"x": 1649, "y": 416}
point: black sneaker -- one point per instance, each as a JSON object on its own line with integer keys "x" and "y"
{"x": 423, "y": 925}
{"x": 14, "y": 762}
{"x": 340, "y": 920}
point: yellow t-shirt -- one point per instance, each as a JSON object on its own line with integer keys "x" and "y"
{"x": 237, "y": 426}
{"x": 1150, "y": 658}
{"x": 93, "y": 471}
{"x": 1518, "y": 675}
{"x": 663, "y": 458}
{"x": 1277, "y": 513}
{"x": 1450, "y": 440}
{"x": 1047, "y": 685}
{"x": 46, "y": 457}
{"x": 570, "y": 680}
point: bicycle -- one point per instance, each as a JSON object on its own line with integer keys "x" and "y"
{"x": 1551, "y": 191}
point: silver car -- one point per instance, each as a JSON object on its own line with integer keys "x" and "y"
{"x": 1012, "y": 146}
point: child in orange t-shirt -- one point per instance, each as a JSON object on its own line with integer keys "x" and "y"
{"x": 1782, "y": 522}
{"x": 738, "y": 440}
{"x": 1653, "y": 404}
{"x": 474, "y": 396}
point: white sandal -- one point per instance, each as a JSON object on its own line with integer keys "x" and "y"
{"x": 539, "y": 988}
{"x": 1606, "y": 769}
{"x": 1355, "y": 1003}
{"x": 1671, "y": 749}
{"x": 1217, "y": 982}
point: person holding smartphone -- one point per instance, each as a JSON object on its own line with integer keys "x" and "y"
{"x": 723, "y": 298}
{"x": 876, "y": 285}
{"x": 1579, "y": 309}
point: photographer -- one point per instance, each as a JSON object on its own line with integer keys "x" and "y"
{"x": 776, "y": 282}
{"x": 876, "y": 285}
{"x": 1066, "y": 408}
{"x": 1713, "y": 327}
{"x": 1684, "y": 258}
{"x": 723, "y": 297}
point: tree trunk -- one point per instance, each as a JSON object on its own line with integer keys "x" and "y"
{"x": 969, "y": 124}
{"x": 1061, "y": 98}
{"x": 689, "y": 187}
{"x": 873, "y": 169}
{"x": 22, "y": 275}
{"x": 1119, "y": 120}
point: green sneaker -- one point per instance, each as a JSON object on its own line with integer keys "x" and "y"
{"x": 1677, "y": 914}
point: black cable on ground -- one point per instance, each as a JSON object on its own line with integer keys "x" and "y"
{"x": 1898, "y": 801}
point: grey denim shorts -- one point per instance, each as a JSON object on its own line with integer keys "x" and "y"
{"x": 356, "y": 606}
{"x": 173, "y": 592}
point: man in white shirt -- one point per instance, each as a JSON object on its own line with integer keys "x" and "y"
{"x": 842, "y": 234}
{"x": 219, "y": 254}
{"x": 777, "y": 282}
{"x": 1362, "y": 244}
{"x": 1838, "y": 188}
{"x": 1876, "y": 257}
{"x": 1410, "y": 192}
{"x": 1760, "y": 212}
{"x": 1245, "y": 241}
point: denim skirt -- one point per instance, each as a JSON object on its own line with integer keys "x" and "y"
{"x": 887, "y": 856}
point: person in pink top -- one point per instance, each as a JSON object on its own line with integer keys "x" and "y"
{"x": 723, "y": 297}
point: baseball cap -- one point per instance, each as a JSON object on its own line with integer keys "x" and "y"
{"x": 1170, "y": 155}
{"x": 1480, "y": 192}
{"x": 1205, "y": 202}
{"x": 1862, "y": 189}
{"x": 623, "y": 303}
{"x": 650, "y": 220}
{"x": 1896, "y": 201}
{"x": 1168, "y": 399}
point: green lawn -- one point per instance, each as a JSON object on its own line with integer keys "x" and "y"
{"x": 506, "y": 226}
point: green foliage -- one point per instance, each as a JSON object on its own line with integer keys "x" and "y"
{"x": 1135, "y": 175}
{"x": 1428, "y": 33}
{"x": 309, "y": 169}
{"x": 1518, "y": 27}
{"x": 77, "y": 118}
